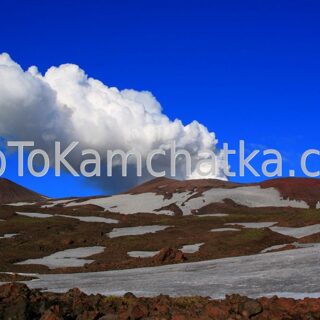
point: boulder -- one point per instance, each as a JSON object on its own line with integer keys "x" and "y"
{"x": 169, "y": 255}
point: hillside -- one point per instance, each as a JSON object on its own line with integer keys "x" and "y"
{"x": 11, "y": 192}
{"x": 200, "y": 230}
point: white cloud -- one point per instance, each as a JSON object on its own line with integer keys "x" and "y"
{"x": 65, "y": 104}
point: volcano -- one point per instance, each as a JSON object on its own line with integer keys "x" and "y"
{"x": 218, "y": 228}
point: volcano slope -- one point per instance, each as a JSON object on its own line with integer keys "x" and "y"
{"x": 161, "y": 222}
{"x": 11, "y": 192}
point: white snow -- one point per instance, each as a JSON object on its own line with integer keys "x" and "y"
{"x": 8, "y": 235}
{"x": 192, "y": 248}
{"x": 212, "y": 215}
{"x": 90, "y": 219}
{"x": 19, "y": 204}
{"x": 293, "y": 272}
{"x": 252, "y": 196}
{"x": 298, "y": 232}
{"x": 224, "y": 229}
{"x": 53, "y": 203}
{"x": 253, "y": 225}
{"x": 22, "y": 274}
{"x": 84, "y": 219}
{"x": 131, "y": 204}
{"x": 66, "y": 258}
{"x": 142, "y": 254}
{"x": 305, "y": 245}
{"x": 296, "y": 244}
{"x": 133, "y": 231}
{"x": 35, "y": 215}
{"x": 276, "y": 247}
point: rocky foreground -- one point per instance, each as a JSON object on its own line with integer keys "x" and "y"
{"x": 17, "y": 301}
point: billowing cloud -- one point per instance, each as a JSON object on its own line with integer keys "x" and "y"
{"x": 66, "y": 105}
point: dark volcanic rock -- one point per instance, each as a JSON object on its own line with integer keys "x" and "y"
{"x": 17, "y": 302}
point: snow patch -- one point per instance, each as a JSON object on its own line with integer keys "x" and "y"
{"x": 35, "y": 215}
{"x": 90, "y": 219}
{"x": 276, "y": 247}
{"x": 212, "y": 215}
{"x": 84, "y": 219}
{"x": 192, "y": 248}
{"x": 298, "y": 232}
{"x": 142, "y": 254}
{"x": 296, "y": 244}
{"x": 252, "y": 196}
{"x": 19, "y": 204}
{"x": 132, "y": 204}
{"x": 66, "y": 258}
{"x": 253, "y": 225}
{"x": 8, "y": 236}
{"x": 134, "y": 231}
{"x": 53, "y": 203}
{"x": 224, "y": 229}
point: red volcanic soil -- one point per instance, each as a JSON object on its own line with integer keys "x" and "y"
{"x": 305, "y": 189}
{"x": 11, "y": 192}
{"x": 18, "y": 302}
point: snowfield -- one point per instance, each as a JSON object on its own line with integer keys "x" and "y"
{"x": 298, "y": 232}
{"x": 20, "y": 204}
{"x": 80, "y": 218}
{"x": 53, "y": 203}
{"x": 8, "y": 235}
{"x": 218, "y": 215}
{"x": 189, "y": 248}
{"x": 291, "y": 273}
{"x": 90, "y": 219}
{"x": 66, "y": 258}
{"x": 224, "y": 230}
{"x": 142, "y": 254}
{"x": 253, "y": 225}
{"x": 35, "y": 215}
{"x": 253, "y": 197}
{"x": 135, "y": 231}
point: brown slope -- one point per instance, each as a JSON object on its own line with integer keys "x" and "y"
{"x": 305, "y": 189}
{"x": 11, "y": 192}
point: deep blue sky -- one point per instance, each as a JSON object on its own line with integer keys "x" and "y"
{"x": 246, "y": 69}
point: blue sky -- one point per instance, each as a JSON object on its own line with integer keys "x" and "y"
{"x": 245, "y": 69}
